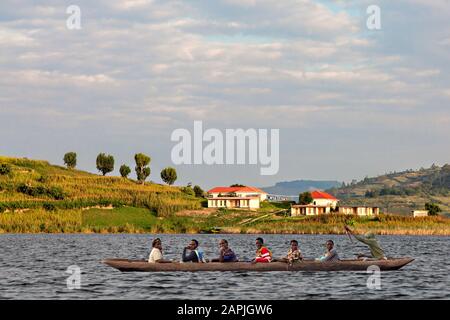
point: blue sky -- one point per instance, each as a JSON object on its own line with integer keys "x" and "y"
{"x": 348, "y": 101}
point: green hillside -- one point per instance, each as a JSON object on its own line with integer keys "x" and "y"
{"x": 400, "y": 192}
{"x": 31, "y": 184}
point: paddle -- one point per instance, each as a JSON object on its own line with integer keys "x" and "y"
{"x": 348, "y": 234}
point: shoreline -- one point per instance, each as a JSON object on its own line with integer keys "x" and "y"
{"x": 132, "y": 220}
{"x": 218, "y": 234}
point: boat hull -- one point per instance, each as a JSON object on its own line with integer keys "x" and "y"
{"x": 125, "y": 265}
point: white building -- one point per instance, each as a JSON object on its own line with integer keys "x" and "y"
{"x": 324, "y": 199}
{"x": 359, "y": 210}
{"x": 324, "y": 203}
{"x": 236, "y": 197}
{"x": 420, "y": 213}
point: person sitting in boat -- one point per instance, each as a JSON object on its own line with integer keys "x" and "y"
{"x": 156, "y": 253}
{"x": 225, "y": 253}
{"x": 294, "y": 255}
{"x": 263, "y": 254}
{"x": 331, "y": 255}
{"x": 369, "y": 239}
{"x": 195, "y": 254}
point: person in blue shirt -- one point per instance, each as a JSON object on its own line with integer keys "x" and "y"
{"x": 195, "y": 253}
{"x": 225, "y": 253}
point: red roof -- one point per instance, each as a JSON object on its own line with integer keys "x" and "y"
{"x": 235, "y": 189}
{"x": 322, "y": 195}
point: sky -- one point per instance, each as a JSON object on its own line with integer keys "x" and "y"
{"x": 349, "y": 102}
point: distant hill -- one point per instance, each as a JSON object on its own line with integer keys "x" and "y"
{"x": 293, "y": 188}
{"x": 400, "y": 192}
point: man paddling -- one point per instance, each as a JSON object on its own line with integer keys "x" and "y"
{"x": 369, "y": 240}
{"x": 195, "y": 254}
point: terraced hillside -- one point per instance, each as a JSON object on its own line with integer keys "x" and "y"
{"x": 31, "y": 184}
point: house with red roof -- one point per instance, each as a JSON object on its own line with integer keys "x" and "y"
{"x": 325, "y": 203}
{"x": 243, "y": 197}
{"x": 321, "y": 198}
{"x": 322, "y": 203}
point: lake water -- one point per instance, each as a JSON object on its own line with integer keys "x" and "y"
{"x": 34, "y": 267}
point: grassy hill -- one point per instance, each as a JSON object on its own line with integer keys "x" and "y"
{"x": 400, "y": 192}
{"x": 37, "y": 197}
{"x": 31, "y": 184}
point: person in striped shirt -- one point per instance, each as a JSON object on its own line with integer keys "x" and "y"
{"x": 263, "y": 254}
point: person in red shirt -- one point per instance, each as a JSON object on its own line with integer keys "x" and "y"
{"x": 262, "y": 253}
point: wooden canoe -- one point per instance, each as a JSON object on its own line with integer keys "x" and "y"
{"x": 307, "y": 265}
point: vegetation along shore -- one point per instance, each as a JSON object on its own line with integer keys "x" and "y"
{"x": 36, "y": 197}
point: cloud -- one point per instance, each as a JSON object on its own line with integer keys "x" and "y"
{"x": 141, "y": 68}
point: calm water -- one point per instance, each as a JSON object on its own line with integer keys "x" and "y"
{"x": 34, "y": 267}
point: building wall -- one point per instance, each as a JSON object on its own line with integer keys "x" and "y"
{"x": 309, "y": 211}
{"x": 254, "y": 203}
{"x": 325, "y": 202}
{"x": 420, "y": 213}
{"x": 360, "y": 211}
{"x": 234, "y": 203}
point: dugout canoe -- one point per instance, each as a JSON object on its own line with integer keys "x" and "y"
{"x": 126, "y": 265}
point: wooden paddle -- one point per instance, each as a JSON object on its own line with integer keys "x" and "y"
{"x": 348, "y": 234}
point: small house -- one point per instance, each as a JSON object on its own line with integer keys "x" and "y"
{"x": 324, "y": 203}
{"x": 236, "y": 197}
{"x": 419, "y": 213}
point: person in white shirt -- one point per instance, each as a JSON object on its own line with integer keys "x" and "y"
{"x": 156, "y": 253}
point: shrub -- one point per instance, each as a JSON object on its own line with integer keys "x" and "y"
{"x": 433, "y": 209}
{"x": 42, "y": 179}
{"x": 169, "y": 175}
{"x": 70, "y": 160}
{"x": 142, "y": 168}
{"x": 198, "y": 191}
{"x": 305, "y": 198}
{"x": 56, "y": 193}
{"x": 48, "y": 206}
{"x": 105, "y": 163}
{"x": 5, "y": 169}
{"x": 188, "y": 190}
{"x": 124, "y": 171}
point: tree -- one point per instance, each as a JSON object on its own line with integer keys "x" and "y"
{"x": 70, "y": 160}
{"x": 124, "y": 171}
{"x": 198, "y": 192}
{"x": 5, "y": 169}
{"x": 433, "y": 209}
{"x": 305, "y": 198}
{"x": 105, "y": 163}
{"x": 237, "y": 185}
{"x": 142, "y": 169}
{"x": 169, "y": 175}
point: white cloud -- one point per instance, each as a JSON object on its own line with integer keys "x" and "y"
{"x": 11, "y": 37}
{"x": 161, "y": 64}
